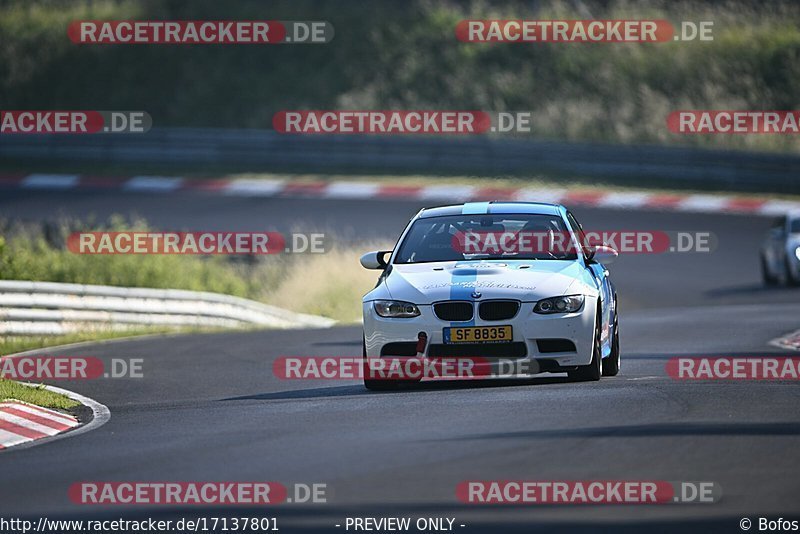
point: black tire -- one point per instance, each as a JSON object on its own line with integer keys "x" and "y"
{"x": 790, "y": 279}
{"x": 377, "y": 385}
{"x": 612, "y": 364}
{"x": 768, "y": 279}
{"x": 593, "y": 371}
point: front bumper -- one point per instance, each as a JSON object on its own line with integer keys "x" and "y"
{"x": 529, "y": 330}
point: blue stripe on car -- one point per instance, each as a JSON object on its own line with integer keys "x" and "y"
{"x": 463, "y": 283}
{"x": 461, "y": 288}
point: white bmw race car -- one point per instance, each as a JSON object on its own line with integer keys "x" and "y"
{"x": 780, "y": 252}
{"x": 510, "y": 281}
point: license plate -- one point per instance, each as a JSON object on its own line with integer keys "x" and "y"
{"x": 478, "y": 334}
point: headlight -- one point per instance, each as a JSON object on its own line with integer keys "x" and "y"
{"x": 395, "y": 308}
{"x": 567, "y": 304}
{"x": 797, "y": 253}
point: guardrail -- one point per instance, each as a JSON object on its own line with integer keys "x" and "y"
{"x": 266, "y": 150}
{"x": 50, "y": 308}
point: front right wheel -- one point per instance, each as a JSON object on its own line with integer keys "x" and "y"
{"x": 790, "y": 279}
{"x": 376, "y": 384}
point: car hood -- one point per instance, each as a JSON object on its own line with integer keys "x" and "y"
{"x": 528, "y": 281}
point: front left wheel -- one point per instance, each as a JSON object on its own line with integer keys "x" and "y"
{"x": 593, "y": 371}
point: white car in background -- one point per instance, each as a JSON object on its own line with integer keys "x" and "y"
{"x": 555, "y": 310}
{"x": 780, "y": 252}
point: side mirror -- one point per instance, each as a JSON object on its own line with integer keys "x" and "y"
{"x": 602, "y": 254}
{"x": 375, "y": 259}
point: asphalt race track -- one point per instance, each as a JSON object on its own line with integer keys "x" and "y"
{"x": 209, "y": 407}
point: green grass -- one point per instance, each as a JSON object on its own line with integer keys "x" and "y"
{"x": 407, "y": 57}
{"x": 34, "y": 252}
{"x": 35, "y": 395}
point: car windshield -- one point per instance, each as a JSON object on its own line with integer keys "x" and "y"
{"x": 495, "y": 236}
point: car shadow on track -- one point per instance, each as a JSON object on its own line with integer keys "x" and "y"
{"x": 761, "y": 354}
{"x": 749, "y": 289}
{"x": 647, "y": 431}
{"x": 434, "y": 385}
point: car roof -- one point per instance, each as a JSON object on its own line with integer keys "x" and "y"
{"x": 481, "y": 208}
